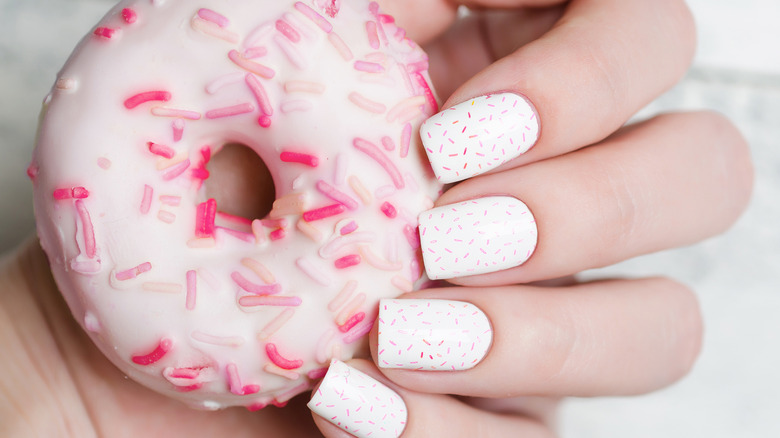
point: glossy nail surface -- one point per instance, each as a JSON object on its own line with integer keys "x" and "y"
{"x": 432, "y": 335}
{"x": 480, "y": 134}
{"x": 358, "y": 403}
{"x": 477, "y": 236}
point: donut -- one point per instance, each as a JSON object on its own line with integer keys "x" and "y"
{"x": 207, "y": 304}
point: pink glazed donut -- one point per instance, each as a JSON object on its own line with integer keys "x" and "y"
{"x": 195, "y": 302}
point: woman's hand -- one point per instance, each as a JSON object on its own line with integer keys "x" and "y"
{"x": 552, "y": 184}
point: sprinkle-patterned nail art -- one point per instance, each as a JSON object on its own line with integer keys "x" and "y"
{"x": 476, "y": 237}
{"x": 358, "y": 403}
{"x": 433, "y": 335}
{"x": 475, "y": 136}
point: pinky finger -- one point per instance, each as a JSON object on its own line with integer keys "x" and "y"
{"x": 354, "y": 400}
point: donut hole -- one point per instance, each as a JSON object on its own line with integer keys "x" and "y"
{"x": 240, "y": 182}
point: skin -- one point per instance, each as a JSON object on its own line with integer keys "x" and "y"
{"x": 587, "y": 66}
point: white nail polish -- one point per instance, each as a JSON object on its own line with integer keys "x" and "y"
{"x": 432, "y": 335}
{"x": 475, "y": 136}
{"x": 358, "y": 403}
{"x": 476, "y": 237}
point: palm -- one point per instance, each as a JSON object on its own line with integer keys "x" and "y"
{"x": 55, "y": 379}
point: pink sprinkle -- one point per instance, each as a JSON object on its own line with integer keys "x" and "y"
{"x": 318, "y": 373}
{"x": 131, "y": 273}
{"x": 204, "y": 218}
{"x": 412, "y": 236}
{"x": 275, "y": 223}
{"x": 234, "y": 110}
{"x": 191, "y": 290}
{"x": 176, "y": 170}
{"x": 340, "y": 46}
{"x": 387, "y": 142}
{"x": 257, "y": 289}
{"x": 214, "y": 17}
{"x": 155, "y": 355}
{"x": 184, "y": 373}
{"x": 297, "y": 157}
{"x": 279, "y": 360}
{"x": 277, "y": 234}
{"x": 161, "y": 150}
{"x": 259, "y": 69}
{"x": 373, "y": 36}
{"x": 147, "y": 96}
{"x": 389, "y": 210}
{"x": 312, "y": 15}
{"x": 406, "y": 139}
{"x": 161, "y": 111}
{"x": 170, "y": 200}
{"x": 90, "y": 246}
{"x": 246, "y": 237}
{"x": 371, "y": 67}
{"x": 347, "y": 261}
{"x": 323, "y": 212}
{"x": 366, "y": 103}
{"x": 373, "y": 151}
{"x": 269, "y": 300}
{"x": 255, "y": 52}
{"x": 288, "y": 31}
{"x": 104, "y": 163}
{"x": 352, "y": 321}
{"x": 264, "y": 121}
{"x": 129, "y": 15}
{"x": 146, "y": 202}
{"x": 336, "y": 195}
{"x": 386, "y": 19}
{"x": 348, "y": 228}
{"x": 178, "y": 129}
{"x": 105, "y": 32}
{"x": 358, "y": 331}
{"x": 427, "y": 90}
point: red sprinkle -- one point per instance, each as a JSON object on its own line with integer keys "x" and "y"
{"x": 32, "y": 171}
{"x": 352, "y": 321}
{"x": 204, "y": 218}
{"x": 277, "y": 234}
{"x": 388, "y": 209}
{"x": 129, "y": 15}
{"x": 105, "y": 32}
{"x": 70, "y": 193}
{"x": 147, "y": 96}
{"x": 347, "y": 261}
{"x": 323, "y": 212}
{"x": 279, "y": 360}
{"x": 155, "y": 355}
{"x": 297, "y": 157}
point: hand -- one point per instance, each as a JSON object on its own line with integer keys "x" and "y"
{"x": 589, "y": 191}
{"x": 55, "y": 383}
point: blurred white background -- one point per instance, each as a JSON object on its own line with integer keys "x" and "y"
{"x": 734, "y": 391}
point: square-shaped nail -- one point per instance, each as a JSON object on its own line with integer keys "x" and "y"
{"x": 480, "y": 134}
{"x": 477, "y": 236}
{"x": 432, "y": 335}
{"x": 358, "y": 403}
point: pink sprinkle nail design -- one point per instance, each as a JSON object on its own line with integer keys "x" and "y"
{"x": 480, "y": 134}
{"x": 476, "y": 237}
{"x": 433, "y": 335}
{"x": 358, "y": 403}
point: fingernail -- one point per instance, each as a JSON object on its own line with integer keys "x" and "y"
{"x": 476, "y": 237}
{"x": 475, "y": 136}
{"x": 358, "y": 403}
{"x": 432, "y": 335}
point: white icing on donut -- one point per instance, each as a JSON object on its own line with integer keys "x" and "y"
{"x": 205, "y": 307}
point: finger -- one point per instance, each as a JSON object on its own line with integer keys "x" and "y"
{"x": 606, "y": 338}
{"x": 356, "y": 400}
{"x": 572, "y": 87}
{"x": 667, "y": 182}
